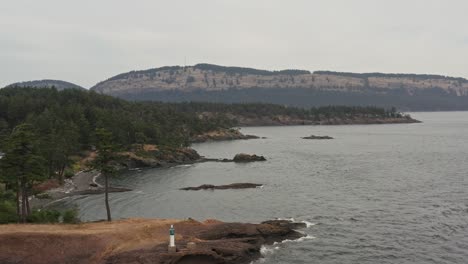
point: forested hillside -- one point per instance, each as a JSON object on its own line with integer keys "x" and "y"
{"x": 57, "y": 84}
{"x": 65, "y": 122}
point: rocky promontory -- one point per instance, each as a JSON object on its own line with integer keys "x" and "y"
{"x": 152, "y": 156}
{"x": 140, "y": 241}
{"x": 221, "y": 135}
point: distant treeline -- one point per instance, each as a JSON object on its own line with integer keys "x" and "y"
{"x": 241, "y": 70}
{"x": 434, "y": 99}
{"x": 393, "y": 75}
{"x": 259, "y": 110}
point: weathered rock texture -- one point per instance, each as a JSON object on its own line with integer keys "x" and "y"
{"x": 221, "y": 135}
{"x": 213, "y": 83}
{"x": 223, "y": 187}
{"x": 242, "y": 157}
{"x": 139, "y": 241}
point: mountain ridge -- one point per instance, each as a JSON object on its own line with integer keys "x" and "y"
{"x": 58, "y": 84}
{"x": 300, "y": 88}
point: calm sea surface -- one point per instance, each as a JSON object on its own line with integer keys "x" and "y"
{"x": 374, "y": 194}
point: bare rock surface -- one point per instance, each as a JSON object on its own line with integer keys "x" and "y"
{"x": 242, "y": 157}
{"x": 317, "y": 137}
{"x": 139, "y": 241}
{"x": 221, "y": 135}
{"x": 223, "y": 187}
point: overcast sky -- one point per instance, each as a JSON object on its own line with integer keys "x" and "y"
{"x": 87, "y": 41}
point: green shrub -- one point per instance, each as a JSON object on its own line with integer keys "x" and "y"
{"x": 70, "y": 216}
{"x": 7, "y": 212}
{"x": 8, "y": 207}
{"x": 43, "y": 196}
{"x": 68, "y": 173}
{"x": 44, "y": 217}
{"x": 8, "y": 195}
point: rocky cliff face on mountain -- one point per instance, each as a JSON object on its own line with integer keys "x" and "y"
{"x": 59, "y": 85}
{"x": 205, "y": 82}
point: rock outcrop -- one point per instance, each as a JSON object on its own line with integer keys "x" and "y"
{"x": 223, "y": 187}
{"x": 317, "y": 137}
{"x": 242, "y": 157}
{"x": 221, "y": 135}
{"x": 140, "y": 241}
{"x": 151, "y": 156}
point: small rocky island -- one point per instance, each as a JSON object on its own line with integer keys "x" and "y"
{"x": 317, "y": 137}
{"x": 242, "y": 157}
{"x": 223, "y": 187}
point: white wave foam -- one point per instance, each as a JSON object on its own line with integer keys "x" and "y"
{"x": 308, "y": 224}
{"x": 182, "y": 166}
{"x": 286, "y": 219}
{"x": 264, "y": 250}
{"x": 301, "y": 239}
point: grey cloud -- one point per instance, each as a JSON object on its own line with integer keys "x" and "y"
{"x": 88, "y": 41}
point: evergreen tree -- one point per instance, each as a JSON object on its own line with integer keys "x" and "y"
{"x": 22, "y": 166}
{"x": 106, "y": 154}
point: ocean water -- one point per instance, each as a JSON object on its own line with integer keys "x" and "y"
{"x": 374, "y": 194}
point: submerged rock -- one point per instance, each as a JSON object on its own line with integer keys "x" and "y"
{"x": 223, "y": 187}
{"x": 242, "y": 157}
{"x": 317, "y": 137}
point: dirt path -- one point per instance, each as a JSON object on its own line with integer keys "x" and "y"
{"x": 82, "y": 183}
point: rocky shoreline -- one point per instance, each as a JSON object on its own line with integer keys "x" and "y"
{"x": 142, "y": 241}
{"x": 221, "y": 135}
{"x": 290, "y": 121}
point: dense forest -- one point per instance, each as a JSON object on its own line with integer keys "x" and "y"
{"x": 45, "y": 132}
{"x": 65, "y": 121}
{"x": 258, "y": 110}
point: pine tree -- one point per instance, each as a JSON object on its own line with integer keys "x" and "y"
{"x": 22, "y": 166}
{"x": 106, "y": 154}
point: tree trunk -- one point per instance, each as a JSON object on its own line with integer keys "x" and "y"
{"x": 23, "y": 201}
{"x": 106, "y": 183}
{"x": 28, "y": 209}
{"x": 60, "y": 175}
{"x": 18, "y": 207}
